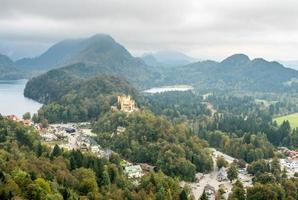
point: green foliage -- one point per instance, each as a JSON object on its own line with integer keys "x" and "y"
{"x": 27, "y": 115}
{"x": 238, "y": 192}
{"x": 157, "y": 141}
{"x": 265, "y": 192}
{"x": 232, "y": 173}
{"x": 177, "y": 106}
{"x": 221, "y": 162}
{"x": 204, "y": 196}
{"x": 78, "y": 99}
{"x": 29, "y": 170}
{"x": 250, "y": 147}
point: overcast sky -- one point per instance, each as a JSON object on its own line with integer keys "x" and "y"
{"x": 204, "y": 29}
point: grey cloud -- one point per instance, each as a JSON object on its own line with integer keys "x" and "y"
{"x": 202, "y": 28}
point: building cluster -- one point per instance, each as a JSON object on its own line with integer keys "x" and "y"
{"x": 55, "y": 133}
{"x": 70, "y": 136}
{"x": 26, "y": 122}
{"x": 291, "y": 160}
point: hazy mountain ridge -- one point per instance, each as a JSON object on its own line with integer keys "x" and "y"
{"x": 102, "y": 55}
{"x": 88, "y": 50}
{"x": 235, "y": 72}
{"x": 167, "y": 58}
{"x": 8, "y": 69}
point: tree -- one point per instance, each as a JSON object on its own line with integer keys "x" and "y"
{"x": 204, "y": 196}
{"x": 238, "y": 192}
{"x": 265, "y": 178}
{"x": 221, "y": 162}
{"x": 56, "y": 151}
{"x": 27, "y": 116}
{"x": 265, "y": 192}
{"x": 105, "y": 177}
{"x": 35, "y": 118}
{"x": 38, "y": 149}
{"x": 44, "y": 123}
{"x": 232, "y": 173}
{"x": 86, "y": 181}
{"x": 275, "y": 166}
{"x": 183, "y": 195}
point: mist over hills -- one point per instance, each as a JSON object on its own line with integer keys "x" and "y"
{"x": 102, "y": 55}
{"x": 236, "y": 72}
{"x": 8, "y": 69}
{"x": 93, "y": 50}
{"x": 167, "y": 59}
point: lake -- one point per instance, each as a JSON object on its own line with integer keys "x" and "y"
{"x": 172, "y": 88}
{"x": 12, "y": 100}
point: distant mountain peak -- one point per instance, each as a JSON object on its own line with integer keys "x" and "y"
{"x": 97, "y": 48}
{"x": 169, "y": 58}
{"x": 236, "y": 60}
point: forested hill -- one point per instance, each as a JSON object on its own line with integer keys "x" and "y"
{"x": 8, "y": 69}
{"x": 69, "y": 98}
{"x": 99, "y": 54}
{"x": 236, "y": 72}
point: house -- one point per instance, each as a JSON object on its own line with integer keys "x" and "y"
{"x": 120, "y": 130}
{"x": 222, "y": 174}
{"x": 13, "y": 117}
{"x": 48, "y": 137}
{"x": 126, "y": 104}
{"x": 209, "y": 190}
{"x": 27, "y": 122}
{"x": 134, "y": 171}
{"x": 146, "y": 167}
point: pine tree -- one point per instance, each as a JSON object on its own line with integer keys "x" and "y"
{"x": 204, "y": 196}
{"x": 56, "y": 151}
{"x": 183, "y": 195}
{"x": 105, "y": 177}
{"x": 232, "y": 173}
{"x": 38, "y": 150}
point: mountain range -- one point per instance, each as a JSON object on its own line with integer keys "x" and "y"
{"x": 237, "y": 72}
{"x": 100, "y": 54}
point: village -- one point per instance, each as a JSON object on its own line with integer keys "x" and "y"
{"x": 79, "y": 136}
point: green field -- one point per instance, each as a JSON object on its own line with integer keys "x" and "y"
{"x": 292, "y": 118}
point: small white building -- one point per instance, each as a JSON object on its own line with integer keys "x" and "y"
{"x": 134, "y": 171}
{"x": 48, "y": 137}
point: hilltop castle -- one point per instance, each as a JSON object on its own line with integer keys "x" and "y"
{"x": 126, "y": 104}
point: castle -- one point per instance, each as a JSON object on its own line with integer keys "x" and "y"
{"x": 126, "y": 104}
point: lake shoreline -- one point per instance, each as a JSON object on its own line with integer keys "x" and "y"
{"x": 12, "y": 99}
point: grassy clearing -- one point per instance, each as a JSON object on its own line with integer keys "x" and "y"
{"x": 292, "y": 118}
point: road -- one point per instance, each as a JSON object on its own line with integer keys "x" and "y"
{"x": 211, "y": 178}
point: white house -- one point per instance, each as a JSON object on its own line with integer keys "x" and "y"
{"x": 134, "y": 171}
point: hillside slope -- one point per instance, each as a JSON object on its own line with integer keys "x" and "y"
{"x": 236, "y": 72}
{"x": 8, "y": 69}
{"x": 97, "y": 55}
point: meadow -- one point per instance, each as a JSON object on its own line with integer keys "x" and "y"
{"x": 292, "y": 118}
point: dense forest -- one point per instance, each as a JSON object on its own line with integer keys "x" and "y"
{"x": 74, "y": 99}
{"x": 30, "y": 170}
{"x": 155, "y": 140}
